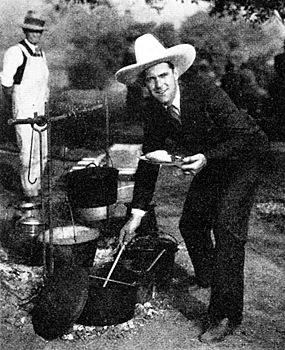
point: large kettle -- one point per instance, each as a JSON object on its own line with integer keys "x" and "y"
{"x": 92, "y": 187}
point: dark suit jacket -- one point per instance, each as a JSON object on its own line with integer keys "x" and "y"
{"x": 211, "y": 125}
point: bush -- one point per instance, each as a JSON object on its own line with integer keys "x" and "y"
{"x": 95, "y": 46}
{"x": 223, "y": 38}
{"x": 95, "y": 41}
{"x": 167, "y": 34}
{"x": 99, "y": 42}
{"x": 12, "y": 13}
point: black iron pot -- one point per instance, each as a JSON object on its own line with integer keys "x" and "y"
{"x": 112, "y": 304}
{"x": 92, "y": 187}
{"x": 75, "y": 294}
{"x": 60, "y": 302}
{"x": 154, "y": 254}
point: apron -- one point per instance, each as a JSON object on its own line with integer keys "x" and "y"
{"x": 29, "y": 97}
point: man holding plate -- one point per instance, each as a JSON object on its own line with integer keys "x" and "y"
{"x": 223, "y": 149}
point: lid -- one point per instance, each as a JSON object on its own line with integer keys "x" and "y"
{"x": 60, "y": 302}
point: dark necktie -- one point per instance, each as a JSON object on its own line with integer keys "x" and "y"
{"x": 174, "y": 113}
{"x": 37, "y": 52}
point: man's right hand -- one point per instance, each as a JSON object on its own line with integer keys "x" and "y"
{"x": 128, "y": 232}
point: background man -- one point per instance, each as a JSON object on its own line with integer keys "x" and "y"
{"x": 222, "y": 148}
{"x": 24, "y": 82}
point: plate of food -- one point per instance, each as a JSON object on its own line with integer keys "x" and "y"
{"x": 162, "y": 157}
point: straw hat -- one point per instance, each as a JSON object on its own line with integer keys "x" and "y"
{"x": 33, "y": 21}
{"x": 149, "y": 52}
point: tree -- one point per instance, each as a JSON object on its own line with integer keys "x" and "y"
{"x": 253, "y": 10}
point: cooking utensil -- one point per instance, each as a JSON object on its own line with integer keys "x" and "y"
{"x": 155, "y": 260}
{"x": 31, "y": 226}
{"x": 111, "y": 305}
{"x": 114, "y": 281}
{"x": 60, "y": 302}
{"x": 114, "y": 265}
{"x": 156, "y": 253}
{"x": 92, "y": 186}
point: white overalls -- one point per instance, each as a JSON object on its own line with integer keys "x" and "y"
{"x": 29, "y": 97}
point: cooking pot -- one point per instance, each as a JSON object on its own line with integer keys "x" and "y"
{"x": 72, "y": 245}
{"x": 154, "y": 254}
{"x": 75, "y": 294}
{"x": 28, "y": 209}
{"x": 92, "y": 186}
{"x": 60, "y": 302}
{"x": 114, "y": 303}
{"x": 91, "y": 216}
{"x": 27, "y": 230}
{"x": 31, "y": 226}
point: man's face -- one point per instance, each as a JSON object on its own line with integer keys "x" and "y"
{"x": 34, "y": 36}
{"x": 161, "y": 82}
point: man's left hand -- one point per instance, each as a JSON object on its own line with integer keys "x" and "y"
{"x": 193, "y": 164}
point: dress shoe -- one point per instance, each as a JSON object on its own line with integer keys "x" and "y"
{"x": 217, "y": 332}
{"x": 194, "y": 284}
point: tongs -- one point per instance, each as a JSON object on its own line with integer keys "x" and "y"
{"x": 116, "y": 261}
{"x": 114, "y": 265}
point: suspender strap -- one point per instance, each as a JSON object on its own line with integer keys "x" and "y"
{"x": 20, "y": 71}
{"x": 27, "y": 47}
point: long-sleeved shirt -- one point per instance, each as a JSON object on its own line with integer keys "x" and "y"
{"x": 13, "y": 58}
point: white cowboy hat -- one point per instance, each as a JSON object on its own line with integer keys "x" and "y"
{"x": 149, "y": 52}
{"x": 33, "y": 21}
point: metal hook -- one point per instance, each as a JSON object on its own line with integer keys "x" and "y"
{"x": 30, "y": 160}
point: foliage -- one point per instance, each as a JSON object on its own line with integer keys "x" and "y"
{"x": 11, "y": 16}
{"x": 92, "y": 39}
{"x": 222, "y": 39}
{"x": 98, "y": 41}
{"x": 167, "y": 34}
{"x": 254, "y": 10}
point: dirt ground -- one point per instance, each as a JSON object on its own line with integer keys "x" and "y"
{"x": 170, "y": 319}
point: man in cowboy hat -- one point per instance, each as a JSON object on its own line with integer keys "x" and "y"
{"x": 222, "y": 149}
{"x": 24, "y": 82}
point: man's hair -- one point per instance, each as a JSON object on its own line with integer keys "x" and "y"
{"x": 142, "y": 76}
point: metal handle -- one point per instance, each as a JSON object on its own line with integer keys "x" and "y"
{"x": 41, "y": 120}
{"x": 156, "y": 259}
{"x": 30, "y": 161}
{"x": 38, "y": 120}
{"x": 89, "y": 165}
{"x": 114, "y": 265}
{"x": 115, "y": 281}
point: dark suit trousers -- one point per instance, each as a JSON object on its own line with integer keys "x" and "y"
{"x": 214, "y": 226}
